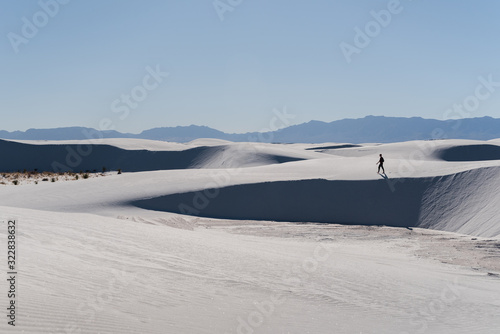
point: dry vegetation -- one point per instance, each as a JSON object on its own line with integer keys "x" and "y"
{"x": 35, "y": 177}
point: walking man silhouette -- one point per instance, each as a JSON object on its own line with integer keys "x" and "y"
{"x": 380, "y": 164}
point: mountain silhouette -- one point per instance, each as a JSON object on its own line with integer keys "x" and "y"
{"x": 370, "y": 129}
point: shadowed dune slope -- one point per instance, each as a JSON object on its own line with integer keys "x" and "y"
{"x": 470, "y": 153}
{"x": 82, "y": 157}
{"x": 333, "y": 147}
{"x": 465, "y": 202}
{"x": 317, "y": 200}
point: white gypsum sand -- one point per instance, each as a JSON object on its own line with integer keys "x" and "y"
{"x": 113, "y": 255}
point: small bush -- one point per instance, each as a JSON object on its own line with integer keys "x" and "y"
{"x": 16, "y": 182}
{"x": 85, "y": 176}
{"x": 53, "y": 180}
{"x": 76, "y": 177}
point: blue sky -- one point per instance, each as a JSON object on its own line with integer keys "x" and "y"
{"x": 231, "y": 74}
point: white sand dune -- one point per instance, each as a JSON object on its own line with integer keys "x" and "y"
{"x": 470, "y": 153}
{"x": 90, "y": 156}
{"x": 451, "y": 196}
{"x": 92, "y": 274}
{"x": 113, "y": 254}
{"x": 448, "y": 203}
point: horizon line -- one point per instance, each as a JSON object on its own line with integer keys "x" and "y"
{"x": 238, "y": 133}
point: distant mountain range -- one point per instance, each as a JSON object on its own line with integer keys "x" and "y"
{"x": 370, "y": 129}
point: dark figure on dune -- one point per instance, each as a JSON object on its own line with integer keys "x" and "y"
{"x": 380, "y": 164}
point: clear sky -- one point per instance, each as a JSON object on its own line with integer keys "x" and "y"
{"x": 79, "y": 62}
